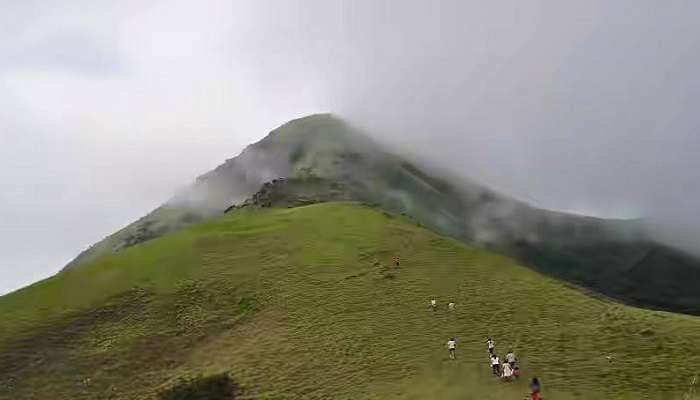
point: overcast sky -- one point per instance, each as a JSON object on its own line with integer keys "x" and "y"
{"x": 107, "y": 108}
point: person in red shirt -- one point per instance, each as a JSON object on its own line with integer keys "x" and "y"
{"x": 535, "y": 389}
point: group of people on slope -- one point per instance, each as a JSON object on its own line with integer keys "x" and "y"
{"x": 433, "y": 305}
{"x": 508, "y": 370}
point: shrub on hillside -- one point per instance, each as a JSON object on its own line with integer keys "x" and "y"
{"x": 214, "y": 387}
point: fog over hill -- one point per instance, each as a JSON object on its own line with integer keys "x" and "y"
{"x": 323, "y": 158}
{"x": 107, "y": 110}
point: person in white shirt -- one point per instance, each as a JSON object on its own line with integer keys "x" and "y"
{"x": 510, "y": 358}
{"x": 452, "y": 348}
{"x": 507, "y": 372}
{"x": 491, "y": 345}
{"x": 495, "y": 365}
{"x": 451, "y": 306}
{"x": 433, "y": 304}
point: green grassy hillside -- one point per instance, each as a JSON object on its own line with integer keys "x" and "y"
{"x": 304, "y": 303}
{"x": 613, "y": 257}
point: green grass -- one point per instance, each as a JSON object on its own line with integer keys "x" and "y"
{"x": 612, "y": 257}
{"x": 303, "y": 303}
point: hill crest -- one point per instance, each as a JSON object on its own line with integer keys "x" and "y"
{"x": 592, "y": 252}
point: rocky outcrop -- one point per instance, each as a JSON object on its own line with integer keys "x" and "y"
{"x": 295, "y": 192}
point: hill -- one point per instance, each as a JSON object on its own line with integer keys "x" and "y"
{"x": 612, "y": 257}
{"x": 287, "y": 303}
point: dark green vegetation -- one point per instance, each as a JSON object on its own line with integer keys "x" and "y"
{"x": 304, "y": 303}
{"x": 295, "y": 192}
{"x": 215, "y": 387}
{"x": 330, "y": 161}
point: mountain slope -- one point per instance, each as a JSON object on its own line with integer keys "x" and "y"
{"x": 304, "y": 303}
{"x": 596, "y": 253}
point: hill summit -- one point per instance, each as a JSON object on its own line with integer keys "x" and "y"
{"x": 323, "y": 158}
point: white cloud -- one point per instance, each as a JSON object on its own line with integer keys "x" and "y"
{"x": 106, "y": 108}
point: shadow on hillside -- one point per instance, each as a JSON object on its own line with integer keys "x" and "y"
{"x": 214, "y": 387}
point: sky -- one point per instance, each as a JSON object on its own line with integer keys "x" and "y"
{"x": 108, "y": 108}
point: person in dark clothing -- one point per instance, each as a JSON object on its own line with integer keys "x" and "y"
{"x": 535, "y": 389}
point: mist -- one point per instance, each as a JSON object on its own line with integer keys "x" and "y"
{"x": 107, "y": 110}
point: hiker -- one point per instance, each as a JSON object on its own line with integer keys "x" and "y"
{"x": 495, "y": 365}
{"x": 491, "y": 345}
{"x": 451, "y": 306}
{"x": 516, "y": 371}
{"x": 535, "y": 389}
{"x": 433, "y": 304}
{"x": 397, "y": 261}
{"x": 507, "y": 374}
{"x": 452, "y": 348}
{"x": 510, "y": 358}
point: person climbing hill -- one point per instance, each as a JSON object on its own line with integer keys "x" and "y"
{"x": 491, "y": 344}
{"x": 510, "y": 358}
{"x": 516, "y": 371}
{"x": 433, "y": 304}
{"x": 452, "y": 348}
{"x": 507, "y": 373}
{"x": 495, "y": 365}
{"x": 535, "y": 389}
